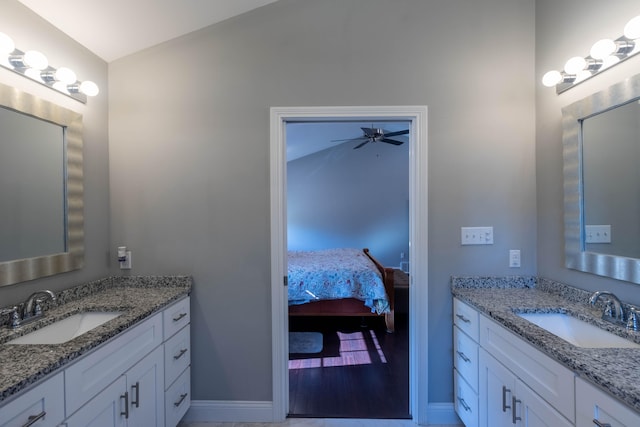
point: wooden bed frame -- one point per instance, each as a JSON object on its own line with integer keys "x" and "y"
{"x": 351, "y": 306}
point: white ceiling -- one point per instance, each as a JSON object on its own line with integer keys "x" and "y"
{"x": 115, "y": 28}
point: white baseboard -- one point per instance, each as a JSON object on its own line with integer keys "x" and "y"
{"x": 262, "y": 412}
{"x": 230, "y": 411}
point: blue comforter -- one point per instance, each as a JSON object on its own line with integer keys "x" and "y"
{"x": 336, "y": 274}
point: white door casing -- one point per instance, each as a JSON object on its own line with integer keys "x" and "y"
{"x": 418, "y": 234}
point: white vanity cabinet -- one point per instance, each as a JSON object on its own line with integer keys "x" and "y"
{"x": 596, "y": 408}
{"x": 177, "y": 361}
{"x": 43, "y": 405}
{"x": 465, "y": 362}
{"x": 139, "y": 378}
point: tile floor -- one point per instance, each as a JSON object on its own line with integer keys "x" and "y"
{"x": 316, "y": 422}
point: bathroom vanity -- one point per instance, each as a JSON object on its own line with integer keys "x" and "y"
{"x": 509, "y": 371}
{"x": 131, "y": 370}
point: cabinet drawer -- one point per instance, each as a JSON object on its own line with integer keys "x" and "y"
{"x": 592, "y": 403}
{"x": 178, "y": 399}
{"x": 176, "y": 317}
{"x": 45, "y": 400}
{"x": 548, "y": 378}
{"x": 465, "y": 357}
{"x": 466, "y": 401}
{"x": 91, "y": 374}
{"x": 177, "y": 355}
{"x": 466, "y": 318}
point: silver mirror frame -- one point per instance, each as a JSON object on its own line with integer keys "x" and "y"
{"x": 613, "y": 266}
{"x": 22, "y": 270}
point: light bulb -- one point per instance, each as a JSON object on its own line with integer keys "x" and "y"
{"x": 60, "y": 86}
{"x": 632, "y": 29}
{"x": 575, "y": 65}
{"x": 603, "y": 48}
{"x": 609, "y": 61}
{"x": 551, "y": 78}
{"x": 65, "y": 75}
{"x": 89, "y": 88}
{"x": 6, "y": 44}
{"x": 36, "y": 60}
{"x": 582, "y": 75}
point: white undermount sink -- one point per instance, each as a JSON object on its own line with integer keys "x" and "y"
{"x": 576, "y": 331}
{"x": 67, "y": 329}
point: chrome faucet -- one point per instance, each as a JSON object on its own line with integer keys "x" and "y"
{"x": 613, "y": 311}
{"x": 29, "y": 310}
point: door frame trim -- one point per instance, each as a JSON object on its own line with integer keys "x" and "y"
{"x": 418, "y": 234}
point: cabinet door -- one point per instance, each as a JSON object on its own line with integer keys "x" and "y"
{"x": 107, "y": 409}
{"x": 43, "y": 405}
{"x": 497, "y": 389}
{"x": 146, "y": 391}
{"x": 531, "y": 410}
{"x": 593, "y": 404}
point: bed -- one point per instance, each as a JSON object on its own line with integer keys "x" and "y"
{"x": 340, "y": 282}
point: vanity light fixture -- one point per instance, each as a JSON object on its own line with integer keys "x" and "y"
{"x": 603, "y": 54}
{"x": 34, "y": 64}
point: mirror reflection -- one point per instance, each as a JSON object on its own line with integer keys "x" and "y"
{"x": 611, "y": 181}
{"x": 32, "y": 190}
{"x": 41, "y": 188}
{"x": 601, "y": 152}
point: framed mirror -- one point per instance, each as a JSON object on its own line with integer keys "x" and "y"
{"x": 601, "y": 149}
{"x": 41, "y": 188}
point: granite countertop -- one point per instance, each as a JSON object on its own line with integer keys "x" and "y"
{"x": 613, "y": 370}
{"x": 137, "y": 297}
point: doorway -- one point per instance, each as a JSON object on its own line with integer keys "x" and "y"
{"x": 418, "y": 289}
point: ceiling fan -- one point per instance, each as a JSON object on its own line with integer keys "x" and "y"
{"x": 374, "y": 135}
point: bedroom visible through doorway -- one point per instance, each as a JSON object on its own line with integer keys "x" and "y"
{"x": 338, "y": 173}
{"x": 417, "y": 326}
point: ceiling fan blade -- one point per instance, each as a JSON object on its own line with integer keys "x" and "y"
{"x": 391, "y": 141}
{"x": 348, "y": 139}
{"x": 400, "y": 132}
{"x": 360, "y": 145}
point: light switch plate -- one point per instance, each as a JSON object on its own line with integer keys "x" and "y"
{"x": 597, "y": 234}
{"x": 476, "y": 235}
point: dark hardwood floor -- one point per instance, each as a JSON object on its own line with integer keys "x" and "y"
{"x": 362, "y": 371}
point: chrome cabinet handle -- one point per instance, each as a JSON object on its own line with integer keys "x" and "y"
{"x": 599, "y": 424}
{"x": 464, "y": 319}
{"x": 505, "y": 390}
{"x": 463, "y": 356}
{"x": 125, "y": 396}
{"x": 136, "y": 387}
{"x": 178, "y": 317}
{"x": 34, "y": 418}
{"x": 182, "y": 397}
{"x": 179, "y": 355}
{"x": 514, "y": 402}
{"x": 464, "y": 404}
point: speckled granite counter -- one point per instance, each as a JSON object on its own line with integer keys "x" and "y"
{"x": 137, "y": 297}
{"x": 613, "y": 370}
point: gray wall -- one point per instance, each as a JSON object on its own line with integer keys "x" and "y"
{"x": 29, "y": 31}
{"x": 565, "y": 29}
{"x": 189, "y": 153}
{"x": 341, "y": 197}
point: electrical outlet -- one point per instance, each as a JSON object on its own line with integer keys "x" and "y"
{"x": 476, "y": 235}
{"x": 514, "y": 258}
